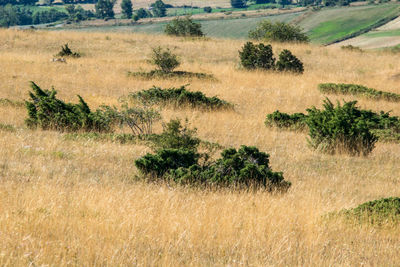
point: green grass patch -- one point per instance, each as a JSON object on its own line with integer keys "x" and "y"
{"x": 179, "y": 97}
{"x": 356, "y": 89}
{"x": 12, "y": 103}
{"x": 381, "y": 212}
{"x": 336, "y": 24}
{"x": 7, "y": 128}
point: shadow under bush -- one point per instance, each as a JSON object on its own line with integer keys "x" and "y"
{"x": 172, "y": 74}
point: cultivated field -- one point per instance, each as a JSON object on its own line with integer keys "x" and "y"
{"x": 76, "y": 202}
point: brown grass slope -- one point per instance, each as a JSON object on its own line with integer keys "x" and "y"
{"x": 75, "y": 203}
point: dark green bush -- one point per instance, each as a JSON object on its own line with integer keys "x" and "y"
{"x": 278, "y": 32}
{"x": 257, "y": 56}
{"x": 288, "y": 62}
{"x": 179, "y": 97}
{"x": 165, "y": 160}
{"x": 238, "y": 3}
{"x": 183, "y": 27}
{"x": 48, "y": 112}
{"x": 207, "y": 9}
{"x": 356, "y": 89}
{"x": 246, "y": 167}
{"x": 378, "y": 212}
{"x": 278, "y": 119}
{"x": 164, "y": 59}
{"x": 67, "y": 52}
{"x": 343, "y": 128}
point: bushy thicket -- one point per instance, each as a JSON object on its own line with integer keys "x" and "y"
{"x": 257, "y": 56}
{"x": 67, "y": 52}
{"x": 261, "y": 57}
{"x": 177, "y": 159}
{"x": 288, "y": 62}
{"x": 184, "y": 27}
{"x": 49, "y": 113}
{"x": 179, "y": 97}
{"x": 340, "y": 129}
{"x": 356, "y": 89}
{"x": 278, "y": 32}
{"x": 344, "y": 127}
{"x": 385, "y": 211}
{"x": 77, "y": 13}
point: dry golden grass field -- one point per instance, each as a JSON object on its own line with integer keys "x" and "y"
{"x": 76, "y": 202}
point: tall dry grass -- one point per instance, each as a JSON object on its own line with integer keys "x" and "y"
{"x": 65, "y": 202}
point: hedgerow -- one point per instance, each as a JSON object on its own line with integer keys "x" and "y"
{"x": 356, "y": 89}
{"x": 179, "y": 97}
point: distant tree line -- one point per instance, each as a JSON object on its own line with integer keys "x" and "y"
{"x": 16, "y": 15}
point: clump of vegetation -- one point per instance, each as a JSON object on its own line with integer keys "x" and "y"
{"x": 159, "y": 8}
{"x": 9, "y": 102}
{"x": 356, "y": 89}
{"x": 207, "y": 9}
{"x": 335, "y": 124}
{"x": 49, "y": 113}
{"x": 257, "y": 56}
{"x": 238, "y": 3}
{"x": 288, "y": 62}
{"x": 385, "y": 211}
{"x": 184, "y": 27}
{"x": 164, "y": 59}
{"x": 278, "y": 32}
{"x": 351, "y": 48}
{"x": 177, "y": 160}
{"x": 340, "y": 129}
{"x": 294, "y": 121}
{"x": 67, "y": 52}
{"x": 179, "y": 97}
{"x": 7, "y": 127}
{"x": 166, "y": 62}
{"x": 104, "y": 9}
{"x": 261, "y": 57}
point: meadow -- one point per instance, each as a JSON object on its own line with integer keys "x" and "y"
{"x": 70, "y": 202}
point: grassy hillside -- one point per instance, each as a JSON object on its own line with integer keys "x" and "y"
{"x": 333, "y": 24}
{"x": 76, "y": 202}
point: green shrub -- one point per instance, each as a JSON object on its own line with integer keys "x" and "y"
{"x": 246, "y": 167}
{"x": 257, "y": 56}
{"x": 340, "y": 129}
{"x": 183, "y": 27}
{"x": 48, "y": 112}
{"x": 288, "y": 62}
{"x": 294, "y": 121}
{"x": 165, "y": 160}
{"x": 238, "y": 3}
{"x": 278, "y": 32}
{"x": 164, "y": 59}
{"x": 179, "y": 97}
{"x": 67, "y": 52}
{"x": 351, "y": 48}
{"x": 207, "y": 9}
{"x": 378, "y": 212}
{"x": 159, "y": 74}
{"x": 355, "y": 89}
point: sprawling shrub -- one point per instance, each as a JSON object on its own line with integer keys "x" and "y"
{"x": 67, "y": 52}
{"x": 288, "y": 62}
{"x": 343, "y": 128}
{"x": 379, "y": 212}
{"x": 207, "y": 9}
{"x": 351, "y": 48}
{"x": 246, "y": 167}
{"x": 278, "y": 32}
{"x": 238, "y": 3}
{"x": 48, "y": 112}
{"x": 179, "y": 97}
{"x": 183, "y": 27}
{"x": 296, "y": 121}
{"x": 257, "y": 56}
{"x": 356, "y": 89}
{"x": 164, "y": 59}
